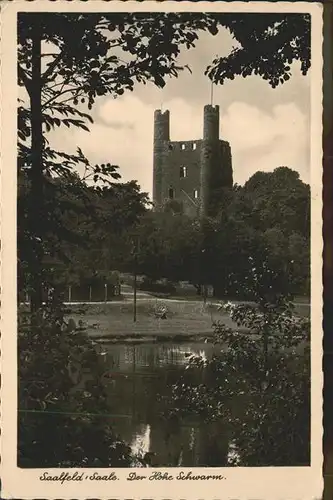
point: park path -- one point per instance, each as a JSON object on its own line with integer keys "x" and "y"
{"x": 146, "y": 296}
{"x": 128, "y": 293}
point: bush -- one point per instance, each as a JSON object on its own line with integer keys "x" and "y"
{"x": 59, "y": 424}
{"x": 258, "y": 385}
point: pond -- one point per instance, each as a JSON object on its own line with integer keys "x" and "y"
{"x": 219, "y": 415}
{"x": 137, "y": 380}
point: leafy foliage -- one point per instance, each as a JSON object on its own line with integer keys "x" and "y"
{"x": 257, "y": 384}
{"x": 268, "y": 44}
{"x": 270, "y": 216}
{"x": 57, "y": 405}
{"x": 85, "y": 227}
{"x": 102, "y": 54}
{"x": 167, "y": 246}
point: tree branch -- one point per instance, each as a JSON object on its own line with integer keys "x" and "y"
{"x": 71, "y": 98}
{"x": 67, "y": 80}
{"x": 51, "y": 67}
{"x": 58, "y": 95}
{"x": 49, "y": 55}
{"x": 26, "y": 81}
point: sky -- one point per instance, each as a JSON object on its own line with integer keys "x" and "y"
{"x": 266, "y": 127}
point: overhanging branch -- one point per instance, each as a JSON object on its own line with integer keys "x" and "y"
{"x": 26, "y": 81}
{"x": 51, "y": 67}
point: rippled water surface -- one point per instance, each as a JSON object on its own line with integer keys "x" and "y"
{"x": 137, "y": 378}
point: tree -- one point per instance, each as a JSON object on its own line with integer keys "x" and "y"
{"x": 86, "y": 227}
{"x": 117, "y": 209}
{"x": 264, "y": 223}
{"x": 232, "y": 276}
{"x": 168, "y": 246}
{"x": 280, "y": 198}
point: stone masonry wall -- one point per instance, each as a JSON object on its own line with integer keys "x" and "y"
{"x": 207, "y": 163}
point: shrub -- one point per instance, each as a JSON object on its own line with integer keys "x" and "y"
{"x": 258, "y": 385}
{"x": 59, "y": 423}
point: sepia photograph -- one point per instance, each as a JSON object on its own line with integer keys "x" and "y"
{"x": 165, "y": 273}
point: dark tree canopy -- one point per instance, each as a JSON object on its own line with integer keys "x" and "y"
{"x": 265, "y": 224}
{"x": 268, "y": 45}
{"x": 107, "y": 53}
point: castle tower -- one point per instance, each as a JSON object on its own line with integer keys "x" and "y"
{"x": 161, "y": 139}
{"x": 190, "y": 176}
{"x": 210, "y": 158}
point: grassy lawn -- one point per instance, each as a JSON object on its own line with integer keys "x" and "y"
{"x": 184, "y": 319}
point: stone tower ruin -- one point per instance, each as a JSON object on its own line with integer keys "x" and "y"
{"x": 192, "y": 173}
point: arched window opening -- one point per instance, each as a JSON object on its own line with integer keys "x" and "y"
{"x": 171, "y": 193}
{"x": 196, "y": 194}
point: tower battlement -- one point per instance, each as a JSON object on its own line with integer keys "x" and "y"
{"x": 190, "y": 173}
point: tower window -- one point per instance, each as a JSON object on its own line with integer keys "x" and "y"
{"x": 182, "y": 146}
{"x": 183, "y": 171}
{"x": 171, "y": 193}
{"x": 196, "y": 194}
{"x": 194, "y": 146}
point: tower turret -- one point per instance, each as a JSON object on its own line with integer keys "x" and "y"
{"x": 161, "y": 139}
{"x": 211, "y": 123}
{"x": 210, "y": 156}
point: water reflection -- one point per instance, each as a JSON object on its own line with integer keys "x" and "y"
{"x": 233, "y": 454}
{"x": 140, "y": 356}
{"x": 141, "y": 442}
{"x": 136, "y": 378}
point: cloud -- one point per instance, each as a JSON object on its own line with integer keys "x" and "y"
{"x": 123, "y": 134}
{"x": 249, "y": 127}
{"x": 119, "y": 125}
{"x": 129, "y": 144}
{"x": 264, "y": 141}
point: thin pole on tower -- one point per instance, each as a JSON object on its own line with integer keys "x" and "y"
{"x": 212, "y": 89}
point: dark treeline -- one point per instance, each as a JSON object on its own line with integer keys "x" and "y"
{"x": 262, "y": 227}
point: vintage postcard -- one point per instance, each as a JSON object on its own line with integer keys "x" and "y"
{"x": 161, "y": 224}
